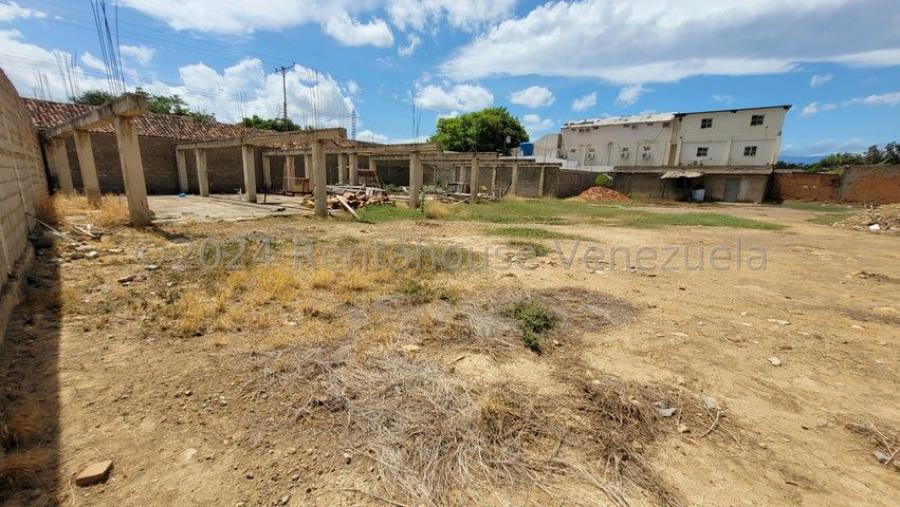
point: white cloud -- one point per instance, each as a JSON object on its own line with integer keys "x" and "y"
{"x": 413, "y": 42}
{"x": 585, "y": 102}
{"x": 885, "y": 99}
{"x": 10, "y": 11}
{"x": 351, "y": 32}
{"x": 819, "y": 79}
{"x": 723, "y": 98}
{"x": 372, "y": 137}
{"x": 533, "y": 97}
{"x": 461, "y": 14}
{"x": 815, "y": 107}
{"x": 630, "y": 94}
{"x": 534, "y": 123}
{"x": 92, "y": 62}
{"x": 142, "y": 54}
{"x": 650, "y": 41}
{"x": 462, "y": 97}
{"x": 352, "y": 87}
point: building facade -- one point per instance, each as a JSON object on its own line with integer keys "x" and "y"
{"x": 749, "y": 137}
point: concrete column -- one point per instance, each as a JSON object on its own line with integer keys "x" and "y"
{"x": 473, "y": 181}
{"x": 728, "y": 153}
{"x": 318, "y": 170}
{"x": 415, "y": 179}
{"x": 514, "y": 185}
{"x": 181, "y": 163}
{"x": 267, "y": 173}
{"x": 541, "y": 182}
{"x": 88, "y": 168}
{"x": 373, "y": 165}
{"x": 248, "y": 156}
{"x": 354, "y": 169}
{"x": 202, "y": 174}
{"x": 342, "y": 168}
{"x": 59, "y": 162}
{"x": 132, "y": 171}
{"x": 493, "y": 179}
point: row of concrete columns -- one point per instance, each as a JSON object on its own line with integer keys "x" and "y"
{"x": 129, "y": 158}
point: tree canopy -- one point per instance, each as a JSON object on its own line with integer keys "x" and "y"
{"x": 161, "y": 104}
{"x": 485, "y": 130}
{"x": 889, "y": 155}
{"x": 276, "y": 124}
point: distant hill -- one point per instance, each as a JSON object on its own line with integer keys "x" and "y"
{"x": 801, "y": 159}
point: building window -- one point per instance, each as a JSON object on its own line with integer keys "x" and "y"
{"x": 749, "y": 151}
{"x": 757, "y": 119}
{"x": 706, "y": 123}
{"x": 702, "y": 151}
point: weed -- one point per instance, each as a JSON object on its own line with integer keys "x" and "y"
{"x": 420, "y": 293}
{"x": 531, "y": 341}
{"x": 533, "y": 317}
{"x": 529, "y": 233}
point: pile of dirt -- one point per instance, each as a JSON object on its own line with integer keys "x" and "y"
{"x": 876, "y": 219}
{"x": 603, "y": 194}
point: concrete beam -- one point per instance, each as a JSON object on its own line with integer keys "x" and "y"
{"x": 267, "y": 140}
{"x": 415, "y": 179}
{"x": 132, "y": 171}
{"x": 202, "y": 172}
{"x": 320, "y": 190}
{"x": 59, "y": 165}
{"x": 128, "y": 105}
{"x": 88, "y": 168}
{"x": 181, "y": 164}
{"x": 248, "y": 157}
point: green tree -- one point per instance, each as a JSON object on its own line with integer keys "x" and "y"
{"x": 276, "y": 124}
{"x": 836, "y": 160}
{"x": 93, "y": 98}
{"x": 174, "y": 105}
{"x": 873, "y": 155}
{"x": 891, "y": 154}
{"x": 485, "y": 130}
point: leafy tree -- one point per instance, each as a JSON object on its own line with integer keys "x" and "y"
{"x": 873, "y": 155}
{"x": 276, "y": 124}
{"x": 485, "y": 130}
{"x": 838, "y": 160}
{"x": 891, "y": 153}
{"x": 93, "y": 98}
{"x": 781, "y": 164}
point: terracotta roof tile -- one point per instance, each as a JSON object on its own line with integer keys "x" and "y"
{"x": 46, "y": 114}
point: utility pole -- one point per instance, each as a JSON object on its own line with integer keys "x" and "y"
{"x": 283, "y": 71}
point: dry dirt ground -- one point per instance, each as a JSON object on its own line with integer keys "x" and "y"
{"x": 265, "y": 383}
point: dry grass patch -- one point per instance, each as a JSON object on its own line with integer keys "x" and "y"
{"x": 23, "y": 468}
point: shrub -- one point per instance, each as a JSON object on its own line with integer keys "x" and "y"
{"x": 602, "y": 180}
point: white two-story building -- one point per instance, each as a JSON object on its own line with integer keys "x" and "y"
{"x": 730, "y": 137}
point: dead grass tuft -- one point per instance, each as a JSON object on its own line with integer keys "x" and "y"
{"x": 48, "y": 211}
{"x": 19, "y": 469}
{"x": 26, "y": 424}
{"x": 112, "y": 211}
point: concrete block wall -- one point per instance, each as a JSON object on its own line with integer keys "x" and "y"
{"x": 23, "y": 184}
{"x": 157, "y": 155}
{"x": 572, "y": 183}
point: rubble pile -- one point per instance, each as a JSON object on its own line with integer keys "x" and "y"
{"x": 603, "y": 194}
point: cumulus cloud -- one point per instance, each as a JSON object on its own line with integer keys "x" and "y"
{"x": 630, "y": 94}
{"x": 644, "y": 41}
{"x": 10, "y": 11}
{"x": 461, "y": 14}
{"x": 722, "y": 98}
{"x": 351, "y": 32}
{"x": 534, "y": 124}
{"x": 885, "y": 99}
{"x": 412, "y": 42}
{"x": 461, "y": 97}
{"x": 142, "y": 54}
{"x": 533, "y": 97}
{"x": 819, "y": 79}
{"x": 585, "y": 102}
{"x": 92, "y": 62}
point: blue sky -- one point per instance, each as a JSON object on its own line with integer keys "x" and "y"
{"x": 836, "y": 61}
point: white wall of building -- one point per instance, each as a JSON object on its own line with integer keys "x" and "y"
{"x": 629, "y": 141}
{"x": 728, "y": 137}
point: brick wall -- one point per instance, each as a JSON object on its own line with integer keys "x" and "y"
{"x": 877, "y": 184}
{"x": 157, "y": 155}
{"x": 22, "y": 180}
{"x": 806, "y": 187}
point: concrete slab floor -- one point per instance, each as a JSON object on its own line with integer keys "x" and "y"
{"x": 172, "y": 208}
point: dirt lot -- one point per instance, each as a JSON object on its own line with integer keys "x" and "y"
{"x": 272, "y": 380}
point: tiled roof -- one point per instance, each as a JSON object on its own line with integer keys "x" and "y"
{"x": 46, "y": 114}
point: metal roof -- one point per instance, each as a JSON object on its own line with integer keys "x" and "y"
{"x": 622, "y": 120}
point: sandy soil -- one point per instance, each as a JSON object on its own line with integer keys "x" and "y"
{"x": 175, "y": 417}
